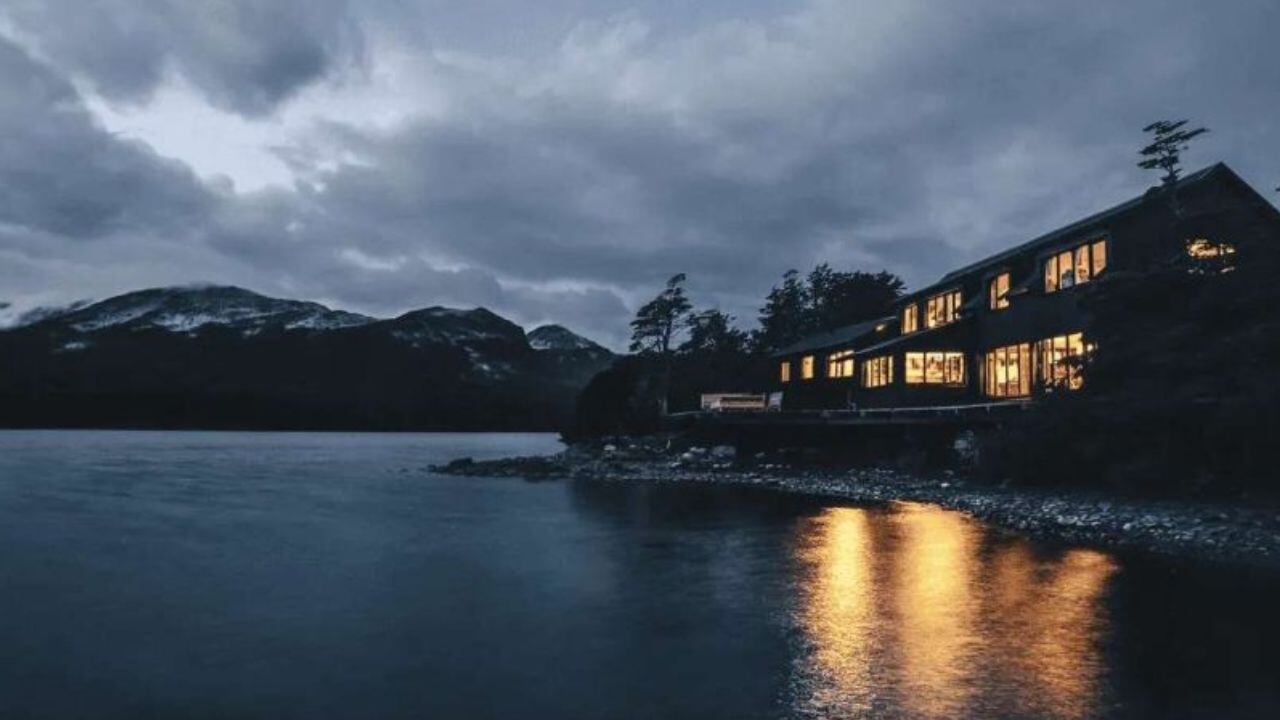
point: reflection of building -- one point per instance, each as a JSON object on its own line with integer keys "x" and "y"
{"x": 1000, "y": 328}
{"x": 914, "y": 609}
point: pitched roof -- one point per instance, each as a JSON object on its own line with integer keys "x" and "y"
{"x": 1064, "y": 232}
{"x": 831, "y": 338}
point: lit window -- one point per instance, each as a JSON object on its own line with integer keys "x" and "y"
{"x": 1210, "y": 256}
{"x": 1060, "y": 360}
{"x": 840, "y": 364}
{"x": 877, "y": 371}
{"x": 910, "y": 318}
{"x": 1075, "y": 266}
{"x": 784, "y": 371}
{"x": 942, "y": 309}
{"x": 998, "y": 293}
{"x": 935, "y": 368}
{"x": 1204, "y": 249}
{"x": 806, "y": 367}
{"x": 1007, "y": 371}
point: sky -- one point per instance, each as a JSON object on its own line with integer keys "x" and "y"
{"x": 557, "y": 161}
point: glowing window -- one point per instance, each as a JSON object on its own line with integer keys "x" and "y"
{"x": 935, "y": 368}
{"x": 1075, "y": 266}
{"x": 942, "y": 309}
{"x": 1061, "y": 359}
{"x": 877, "y": 371}
{"x": 998, "y": 292}
{"x": 1007, "y": 371}
{"x": 840, "y": 364}
{"x": 1099, "y": 253}
{"x": 910, "y": 318}
{"x": 806, "y": 367}
{"x": 784, "y": 371}
{"x": 1210, "y": 256}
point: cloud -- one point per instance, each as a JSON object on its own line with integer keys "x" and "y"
{"x": 243, "y": 55}
{"x": 417, "y": 159}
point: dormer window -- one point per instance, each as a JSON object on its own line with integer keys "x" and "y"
{"x": 942, "y": 309}
{"x": 1075, "y": 266}
{"x": 998, "y": 292}
{"x": 910, "y": 318}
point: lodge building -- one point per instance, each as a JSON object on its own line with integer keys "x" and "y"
{"x": 1009, "y": 326}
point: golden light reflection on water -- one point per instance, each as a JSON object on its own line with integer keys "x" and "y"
{"x": 919, "y": 612}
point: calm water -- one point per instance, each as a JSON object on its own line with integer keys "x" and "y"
{"x": 309, "y": 575}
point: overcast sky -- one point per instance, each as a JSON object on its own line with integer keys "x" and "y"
{"x": 558, "y": 160}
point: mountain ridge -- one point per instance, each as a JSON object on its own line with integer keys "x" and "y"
{"x": 226, "y": 357}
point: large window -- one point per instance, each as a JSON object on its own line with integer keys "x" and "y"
{"x": 1007, "y": 371}
{"x": 998, "y": 292}
{"x": 840, "y": 364}
{"x": 784, "y": 371}
{"x": 877, "y": 371}
{"x": 942, "y": 309}
{"x": 935, "y": 368}
{"x": 910, "y": 318}
{"x": 1060, "y": 360}
{"x": 806, "y": 367}
{"x": 1075, "y": 266}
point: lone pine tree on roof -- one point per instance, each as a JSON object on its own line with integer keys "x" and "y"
{"x": 1165, "y": 150}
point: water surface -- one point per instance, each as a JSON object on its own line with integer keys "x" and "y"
{"x": 327, "y": 575}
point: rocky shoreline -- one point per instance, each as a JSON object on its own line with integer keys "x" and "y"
{"x": 1235, "y": 533}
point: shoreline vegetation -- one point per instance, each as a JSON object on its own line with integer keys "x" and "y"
{"x": 1236, "y": 532}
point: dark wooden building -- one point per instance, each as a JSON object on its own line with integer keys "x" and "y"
{"x": 1011, "y": 325}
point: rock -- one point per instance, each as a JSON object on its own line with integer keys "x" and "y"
{"x": 724, "y": 452}
{"x": 459, "y": 464}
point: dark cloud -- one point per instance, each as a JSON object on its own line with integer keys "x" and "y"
{"x": 244, "y": 55}
{"x": 566, "y": 179}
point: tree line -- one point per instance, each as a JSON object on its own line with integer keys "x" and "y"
{"x": 823, "y": 300}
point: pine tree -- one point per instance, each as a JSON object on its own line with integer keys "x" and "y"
{"x": 712, "y": 332}
{"x": 785, "y": 315}
{"x": 1164, "y": 152}
{"x": 657, "y": 321}
{"x": 837, "y": 299}
{"x": 654, "y": 329}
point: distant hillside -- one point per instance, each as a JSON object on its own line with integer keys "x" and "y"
{"x": 225, "y": 357}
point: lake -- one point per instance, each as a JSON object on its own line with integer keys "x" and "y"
{"x": 331, "y": 575}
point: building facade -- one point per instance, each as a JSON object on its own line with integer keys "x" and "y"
{"x": 1011, "y": 325}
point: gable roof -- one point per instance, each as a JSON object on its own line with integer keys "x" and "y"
{"x": 1066, "y": 231}
{"x": 831, "y": 338}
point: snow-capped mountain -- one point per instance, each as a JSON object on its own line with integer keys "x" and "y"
{"x": 187, "y": 309}
{"x": 558, "y": 337}
{"x": 209, "y": 356}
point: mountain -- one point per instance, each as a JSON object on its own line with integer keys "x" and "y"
{"x": 558, "y": 337}
{"x": 225, "y": 357}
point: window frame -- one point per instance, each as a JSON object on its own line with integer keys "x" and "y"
{"x": 948, "y": 361}
{"x": 911, "y": 318}
{"x": 996, "y": 299}
{"x": 1075, "y": 264}
{"x": 784, "y": 371}
{"x": 1056, "y": 365}
{"x": 943, "y": 308}
{"x": 840, "y": 365}
{"x": 877, "y": 372}
{"x": 808, "y": 365}
{"x": 998, "y": 362}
